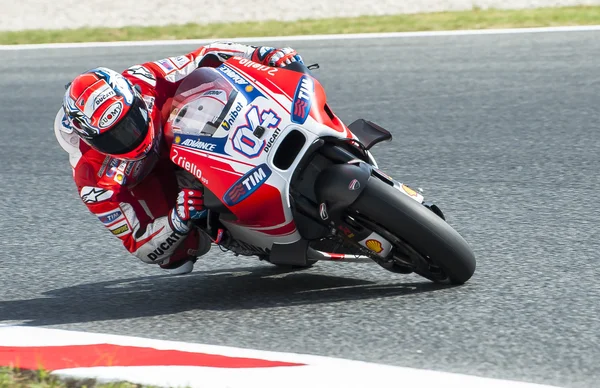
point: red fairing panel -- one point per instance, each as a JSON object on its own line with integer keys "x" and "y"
{"x": 218, "y": 176}
{"x": 251, "y": 212}
{"x": 285, "y": 82}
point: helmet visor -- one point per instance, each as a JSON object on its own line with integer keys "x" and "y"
{"x": 128, "y": 134}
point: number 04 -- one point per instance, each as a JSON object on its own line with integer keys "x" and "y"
{"x": 245, "y": 142}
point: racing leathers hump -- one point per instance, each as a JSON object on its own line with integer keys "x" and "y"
{"x": 133, "y": 199}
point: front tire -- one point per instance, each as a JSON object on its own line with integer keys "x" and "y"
{"x": 418, "y": 230}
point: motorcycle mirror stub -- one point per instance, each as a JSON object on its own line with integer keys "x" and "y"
{"x": 259, "y": 131}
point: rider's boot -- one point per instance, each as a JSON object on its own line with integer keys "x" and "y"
{"x": 181, "y": 262}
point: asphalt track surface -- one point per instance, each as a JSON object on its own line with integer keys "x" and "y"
{"x": 501, "y": 131}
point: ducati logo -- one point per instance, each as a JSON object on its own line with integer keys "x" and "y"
{"x": 323, "y": 211}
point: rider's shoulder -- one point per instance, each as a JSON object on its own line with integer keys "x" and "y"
{"x": 92, "y": 186}
{"x": 91, "y": 168}
{"x": 95, "y": 171}
{"x": 140, "y": 75}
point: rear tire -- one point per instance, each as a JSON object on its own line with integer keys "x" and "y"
{"x": 419, "y": 230}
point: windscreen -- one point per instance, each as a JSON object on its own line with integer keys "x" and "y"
{"x": 201, "y": 103}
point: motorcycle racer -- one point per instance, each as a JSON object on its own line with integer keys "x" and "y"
{"x": 111, "y": 124}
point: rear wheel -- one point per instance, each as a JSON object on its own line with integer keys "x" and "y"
{"x": 422, "y": 240}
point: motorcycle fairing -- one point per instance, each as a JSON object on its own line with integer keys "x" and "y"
{"x": 235, "y": 161}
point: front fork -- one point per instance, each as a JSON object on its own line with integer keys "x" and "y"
{"x": 338, "y": 186}
{"x": 355, "y": 232}
{"x": 358, "y": 234}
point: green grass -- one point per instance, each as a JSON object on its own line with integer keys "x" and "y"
{"x": 474, "y": 19}
{"x": 12, "y": 378}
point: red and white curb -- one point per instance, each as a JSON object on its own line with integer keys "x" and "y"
{"x": 179, "y": 364}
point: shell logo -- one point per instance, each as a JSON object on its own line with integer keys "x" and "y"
{"x": 177, "y": 139}
{"x": 409, "y": 191}
{"x": 374, "y": 245}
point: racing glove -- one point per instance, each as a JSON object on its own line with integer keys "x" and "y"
{"x": 190, "y": 206}
{"x": 271, "y": 56}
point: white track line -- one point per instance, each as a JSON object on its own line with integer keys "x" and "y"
{"x": 387, "y": 35}
{"x": 316, "y": 372}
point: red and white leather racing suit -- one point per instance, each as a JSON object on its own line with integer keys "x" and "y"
{"x": 132, "y": 203}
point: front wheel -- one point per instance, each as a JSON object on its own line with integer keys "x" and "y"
{"x": 424, "y": 240}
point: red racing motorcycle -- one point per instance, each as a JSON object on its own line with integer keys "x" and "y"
{"x": 287, "y": 181}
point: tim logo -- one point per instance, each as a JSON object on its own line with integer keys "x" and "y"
{"x": 110, "y": 217}
{"x": 302, "y": 100}
{"x": 247, "y": 185}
